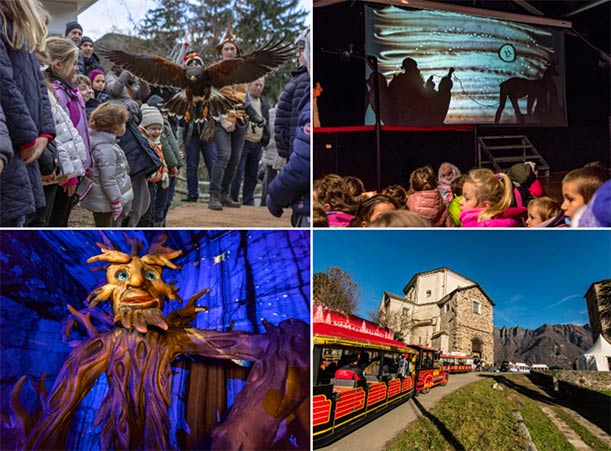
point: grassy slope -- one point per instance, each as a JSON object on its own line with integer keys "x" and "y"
{"x": 478, "y": 417}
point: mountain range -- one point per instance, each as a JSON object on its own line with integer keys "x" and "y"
{"x": 558, "y": 344}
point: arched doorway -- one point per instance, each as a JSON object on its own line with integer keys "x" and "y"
{"x": 476, "y": 347}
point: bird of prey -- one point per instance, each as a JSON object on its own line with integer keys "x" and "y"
{"x": 199, "y": 97}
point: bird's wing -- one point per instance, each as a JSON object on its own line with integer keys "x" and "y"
{"x": 250, "y": 67}
{"x": 153, "y": 69}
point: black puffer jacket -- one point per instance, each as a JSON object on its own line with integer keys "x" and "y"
{"x": 287, "y": 112}
{"x": 25, "y": 102}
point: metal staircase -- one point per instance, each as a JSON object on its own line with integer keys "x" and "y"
{"x": 499, "y": 153}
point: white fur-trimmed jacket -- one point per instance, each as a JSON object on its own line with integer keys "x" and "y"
{"x": 71, "y": 150}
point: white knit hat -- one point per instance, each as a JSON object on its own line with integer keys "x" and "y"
{"x": 150, "y": 116}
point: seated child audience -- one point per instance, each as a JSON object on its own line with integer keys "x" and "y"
{"x": 354, "y": 187}
{"x": 454, "y": 207}
{"x": 424, "y": 199}
{"x": 319, "y": 215}
{"x": 399, "y": 219}
{"x": 597, "y": 212}
{"x": 578, "y": 187}
{"x": 332, "y": 193}
{"x": 398, "y": 193}
{"x": 369, "y": 209}
{"x": 544, "y": 212}
{"x": 446, "y": 174}
{"x": 522, "y": 176}
{"x": 111, "y": 190}
{"x": 487, "y": 199}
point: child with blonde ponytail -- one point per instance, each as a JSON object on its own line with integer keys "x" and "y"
{"x": 486, "y": 201}
{"x": 24, "y": 99}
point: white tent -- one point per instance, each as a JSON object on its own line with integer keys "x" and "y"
{"x": 597, "y": 357}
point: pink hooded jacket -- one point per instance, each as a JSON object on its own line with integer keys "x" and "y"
{"x": 429, "y": 204}
{"x": 512, "y": 217}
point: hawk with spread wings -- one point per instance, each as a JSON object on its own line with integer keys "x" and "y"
{"x": 199, "y": 97}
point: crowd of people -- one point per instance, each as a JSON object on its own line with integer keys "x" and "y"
{"x": 479, "y": 198}
{"x": 73, "y": 132}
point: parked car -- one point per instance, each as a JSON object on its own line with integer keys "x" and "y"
{"x": 504, "y": 366}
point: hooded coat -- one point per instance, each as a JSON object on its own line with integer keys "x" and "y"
{"x": 429, "y": 204}
{"x": 25, "y": 102}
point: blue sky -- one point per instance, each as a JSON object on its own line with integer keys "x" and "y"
{"x": 534, "y": 277}
{"x": 122, "y": 15}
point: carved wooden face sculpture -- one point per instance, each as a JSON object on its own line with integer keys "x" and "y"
{"x": 136, "y": 287}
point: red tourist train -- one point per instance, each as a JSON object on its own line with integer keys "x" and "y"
{"x": 429, "y": 371}
{"x": 455, "y": 362}
{"x": 361, "y": 372}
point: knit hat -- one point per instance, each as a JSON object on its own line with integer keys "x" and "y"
{"x": 522, "y": 173}
{"x": 150, "y": 116}
{"x": 229, "y": 37}
{"x": 94, "y": 73}
{"x": 71, "y": 26}
{"x": 85, "y": 39}
{"x": 597, "y": 212}
{"x": 192, "y": 56}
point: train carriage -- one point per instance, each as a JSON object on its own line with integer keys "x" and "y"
{"x": 429, "y": 371}
{"x": 349, "y": 393}
{"x": 455, "y": 362}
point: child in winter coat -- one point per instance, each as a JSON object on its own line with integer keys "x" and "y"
{"x": 332, "y": 193}
{"x": 578, "y": 187}
{"x": 151, "y": 127}
{"x": 446, "y": 174}
{"x": 71, "y": 154}
{"x": 25, "y": 103}
{"x": 371, "y": 208}
{"x": 426, "y": 200}
{"x": 486, "y": 201}
{"x": 544, "y": 212}
{"x": 63, "y": 56}
{"x": 111, "y": 190}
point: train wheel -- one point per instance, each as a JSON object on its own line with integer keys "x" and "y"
{"x": 424, "y": 391}
{"x": 444, "y": 380}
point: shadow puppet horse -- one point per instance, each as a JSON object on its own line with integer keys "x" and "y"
{"x": 541, "y": 91}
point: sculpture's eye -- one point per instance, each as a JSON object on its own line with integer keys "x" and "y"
{"x": 150, "y": 275}
{"x": 122, "y": 275}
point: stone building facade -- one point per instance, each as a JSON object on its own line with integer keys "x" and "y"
{"x": 445, "y": 310}
{"x": 598, "y": 298}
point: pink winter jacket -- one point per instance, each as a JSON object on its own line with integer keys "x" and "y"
{"x": 429, "y": 204}
{"x": 339, "y": 219}
{"x": 512, "y": 217}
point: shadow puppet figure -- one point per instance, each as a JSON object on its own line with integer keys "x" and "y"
{"x": 407, "y": 100}
{"x": 135, "y": 350}
{"x": 541, "y": 92}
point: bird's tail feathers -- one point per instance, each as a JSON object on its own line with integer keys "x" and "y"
{"x": 199, "y": 109}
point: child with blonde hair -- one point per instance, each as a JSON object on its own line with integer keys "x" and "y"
{"x": 425, "y": 199}
{"x": 111, "y": 191}
{"x": 487, "y": 200}
{"x": 579, "y": 186}
{"x": 544, "y": 212}
{"x": 62, "y": 57}
{"x": 22, "y": 31}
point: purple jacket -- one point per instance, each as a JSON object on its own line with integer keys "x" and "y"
{"x": 512, "y": 217}
{"x": 70, "y": 98}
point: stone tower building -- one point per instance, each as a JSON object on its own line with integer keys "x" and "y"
{"x": 598, "y": 298}
{"x": 445, "y": 310}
